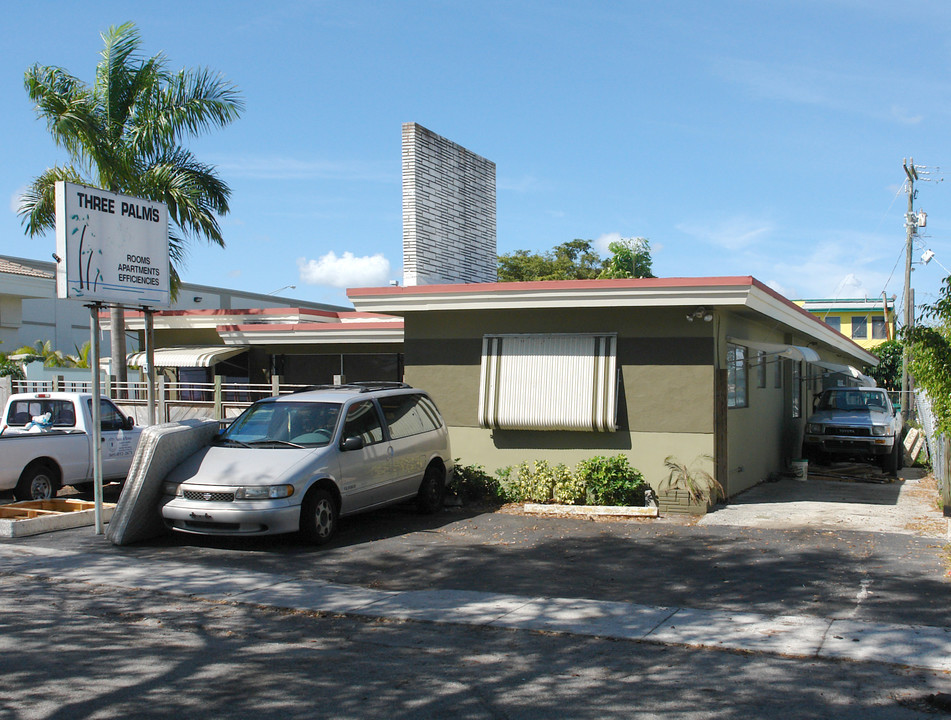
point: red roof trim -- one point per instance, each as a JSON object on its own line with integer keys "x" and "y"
{"x": 633, "y": 283}
{"x": 211, "y": 312}
{"x": 311, "y": 327}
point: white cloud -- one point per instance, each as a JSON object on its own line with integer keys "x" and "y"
{"x": 736, "y": 233}
{"x": 15, "y": 199}
{"x": 602, "y": 242}
{"x": 902, "y": 115}
{"x": 345, "y": 270}
{"x": 278, "y": 167}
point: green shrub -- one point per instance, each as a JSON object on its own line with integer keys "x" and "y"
{"x": 569, "y": 488}
{"x": 611, "y": 481}
{"x": 535, "y": 481}
{"x": 472, "y": 482}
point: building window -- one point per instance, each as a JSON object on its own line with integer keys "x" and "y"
{"x": 761, "y": 368}
{"x": 860, "y": 327}
{"x": 879, "y": 329}
{"x": 736, "y": 376}
{"x": 549, "y": 382}
{"x": 834, "y": 322}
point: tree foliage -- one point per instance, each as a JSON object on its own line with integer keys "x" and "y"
{"x": 577, "y": 260}
{"x": 888, "y": 371}
{"x": 631, "y": 258}
{"x": 124, "y": 132}
{"x": 573, "y": 260}
{"x": 930, "y": 355}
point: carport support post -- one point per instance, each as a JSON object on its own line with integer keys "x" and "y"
{"x": 95, "y": 431}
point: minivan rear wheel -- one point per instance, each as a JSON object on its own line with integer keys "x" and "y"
{"x": 319, "y": 517}
{"x": 431, "y": 490}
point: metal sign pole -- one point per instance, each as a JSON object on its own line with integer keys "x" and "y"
{"x": 96, "y": 428}
{"x": 150, "y": 360}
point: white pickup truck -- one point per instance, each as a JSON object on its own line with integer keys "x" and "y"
{"x": 45, "y": 443}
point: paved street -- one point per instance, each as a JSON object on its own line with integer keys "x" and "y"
{"x": 413, "y": 616}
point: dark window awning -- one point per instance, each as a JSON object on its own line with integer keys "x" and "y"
{"x": 187, "y": 356}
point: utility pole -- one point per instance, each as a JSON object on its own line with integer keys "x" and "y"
{"x": 911, "y": 227}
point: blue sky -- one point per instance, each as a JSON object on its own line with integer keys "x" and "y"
{"x": 740, "y": 137}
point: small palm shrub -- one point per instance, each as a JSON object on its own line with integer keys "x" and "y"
{"x": 700, "y": 485}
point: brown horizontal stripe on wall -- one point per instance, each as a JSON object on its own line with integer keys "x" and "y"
{"x": 665, "y": 351}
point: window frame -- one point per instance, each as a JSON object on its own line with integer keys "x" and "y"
{"x": 738, "y": 388}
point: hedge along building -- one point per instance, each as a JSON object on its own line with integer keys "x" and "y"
{"x": 685, "y": 367}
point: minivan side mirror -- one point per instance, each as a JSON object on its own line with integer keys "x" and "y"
{"x": 352, "y": 443}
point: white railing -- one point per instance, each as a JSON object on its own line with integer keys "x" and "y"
{"x": 173, "y": 400}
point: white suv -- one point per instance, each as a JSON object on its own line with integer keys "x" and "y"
{"x": 300, "y": 462}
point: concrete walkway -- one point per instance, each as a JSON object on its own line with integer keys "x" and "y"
{"x": 796, "y": 636}
{"x": 831, "y": 501}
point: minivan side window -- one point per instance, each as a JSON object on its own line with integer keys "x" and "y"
{"x": 409, "y": 415}
{"x": 363, "y": 421}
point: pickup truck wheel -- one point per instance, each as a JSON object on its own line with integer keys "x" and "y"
{"x": 318, "y": 517}
{"x": 38, "y": 482}
{"x": 891, "y": 463}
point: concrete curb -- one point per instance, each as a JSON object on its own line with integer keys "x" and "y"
{"x": 796, "y": 636}
{"x": 596, "y": 510}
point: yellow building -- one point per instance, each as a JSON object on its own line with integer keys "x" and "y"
{"x": 867, "y": 321}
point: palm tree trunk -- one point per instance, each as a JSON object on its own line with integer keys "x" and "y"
{"x": 117, "y": 348}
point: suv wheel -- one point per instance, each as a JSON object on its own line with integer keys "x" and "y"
{"x": 318, "y": 517}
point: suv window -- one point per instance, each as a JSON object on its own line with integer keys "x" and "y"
{"x": 363, "y": 421}
{"x": 408, "y": 415}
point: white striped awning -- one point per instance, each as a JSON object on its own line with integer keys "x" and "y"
{"x": 549, "y": 382}
{"x": 187, "y": 356}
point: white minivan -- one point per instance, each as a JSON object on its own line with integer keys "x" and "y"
{"x": 300, "y": 462}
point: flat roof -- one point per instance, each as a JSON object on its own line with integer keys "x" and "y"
{"x": 734, "y": 292}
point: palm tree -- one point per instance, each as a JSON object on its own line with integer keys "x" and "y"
{"x": 123, "y": 134}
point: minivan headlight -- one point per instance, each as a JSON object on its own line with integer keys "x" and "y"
{"x": 263, "y": 492}
{"x": 173, "y": 489}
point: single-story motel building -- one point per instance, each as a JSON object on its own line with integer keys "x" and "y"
{"x": 722, "y": 367}
{"x": 718, "y": 372}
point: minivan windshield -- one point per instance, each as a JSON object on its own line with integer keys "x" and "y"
{"x": 851, "y": 399}
{"x": 283, "y": 424}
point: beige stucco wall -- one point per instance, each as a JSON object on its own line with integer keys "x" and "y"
{"x": 665, "y": 397}
{"x": 645, "y": 451}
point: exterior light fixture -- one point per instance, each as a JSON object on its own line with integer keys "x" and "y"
{"x": 700, "y": 313}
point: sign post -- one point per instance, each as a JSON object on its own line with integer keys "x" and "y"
{"x": 96, "y": 429}
{"x": 110, "y": 248}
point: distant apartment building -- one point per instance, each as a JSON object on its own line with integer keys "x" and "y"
{"x": 867, "y": 321}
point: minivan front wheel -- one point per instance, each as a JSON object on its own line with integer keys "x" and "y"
{"x": 431, "y": 490}
{"x": 318, "y": 517}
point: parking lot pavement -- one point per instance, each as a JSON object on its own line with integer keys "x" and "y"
{"x": 806, "y": 591}
{"x": 71, "y": 649}
{"x": 801, "y": 636}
